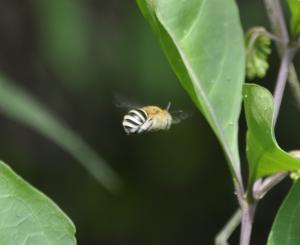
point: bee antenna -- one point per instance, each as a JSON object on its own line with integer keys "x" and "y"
{"x": 168, "y": 106}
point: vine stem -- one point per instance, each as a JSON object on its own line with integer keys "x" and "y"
{"x": 279, "y": 27}
{"x": 248, "y": 212}
{"x": 294, "y": 84}
{"x": 223, "y": 236}
{"x": 281, "y": 81}
{"x": 286, "y": 72}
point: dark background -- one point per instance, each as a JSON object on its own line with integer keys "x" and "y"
{"x": 74, "y": 56}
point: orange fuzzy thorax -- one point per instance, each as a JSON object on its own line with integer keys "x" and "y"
{"x": 162, "y": 119}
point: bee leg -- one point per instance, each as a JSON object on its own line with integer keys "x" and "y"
{"x": 169, "y": 123}
{"x": 168, "y": 106}
{"x": 146, "y": 126}
{"x": 126, "y": 131}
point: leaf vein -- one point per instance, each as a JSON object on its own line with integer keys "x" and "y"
{"x": 194, "y": 23}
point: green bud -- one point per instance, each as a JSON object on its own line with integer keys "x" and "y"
{"x": 257, "y": 51}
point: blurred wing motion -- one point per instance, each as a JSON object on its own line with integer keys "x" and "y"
{"x": 125, "y": 103}
{"x": 179, "y": 116}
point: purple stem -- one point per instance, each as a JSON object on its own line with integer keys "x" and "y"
{"x": 281, "y": 82}
{"x": 277, "y": 20}
{"x": 248, "y": 211}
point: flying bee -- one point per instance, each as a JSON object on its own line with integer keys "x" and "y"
{"x": 150, "y": 118}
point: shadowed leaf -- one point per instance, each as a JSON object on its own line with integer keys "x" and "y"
{"x": 286, "y": 227}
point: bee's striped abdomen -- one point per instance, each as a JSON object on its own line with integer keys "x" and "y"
{"x": 134, "y": 120}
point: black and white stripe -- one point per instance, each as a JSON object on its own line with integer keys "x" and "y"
{"x": 134, "y": 120}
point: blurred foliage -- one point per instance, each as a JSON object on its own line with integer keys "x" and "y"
{"x": 73, "y": 56}
{"x": 294, "y": 6}
{"x": 18, "y": 104}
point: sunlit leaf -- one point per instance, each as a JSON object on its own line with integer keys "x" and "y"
{"x": 286, "y": 227}
{"x": 258, "y": 50}
{"x": 295, "y": 18}
{"x": 264, "y": 155}
{"x": 28, "y": 217}
{"x": 23, "y": 107}
{"x": 203, "y": 42}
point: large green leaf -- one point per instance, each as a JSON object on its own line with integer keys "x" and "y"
{"x": 286, "y": 227}
{"x": 21, "y": 106}
{"x": 203, "y": 42}
{"x": 28, "y": 217}
{"x": 264, "y": 155}
{"x": 294, "y": 6}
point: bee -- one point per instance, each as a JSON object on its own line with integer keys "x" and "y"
{"x": 150, "y": 118}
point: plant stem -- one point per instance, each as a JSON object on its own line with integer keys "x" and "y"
{"x": 266, "y": 185}
{"x": 281, "y": 81}
{"x": 248, "y": 211}
{"x": 286, "y": 71}
{"x": 223, "y": 236}
{"x": 276, "y": 17}
{"x": 279, "y": 27}
{"x": 277, "y": 21}
{"x": 294, "y": 84}
{"x": 249, "y": 206}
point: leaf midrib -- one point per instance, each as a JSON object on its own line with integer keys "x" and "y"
{"x": 210, "y": 110}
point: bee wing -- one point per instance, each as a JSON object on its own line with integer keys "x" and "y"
{"x": 124, "y": 103}
{"x": 178, "y": 116}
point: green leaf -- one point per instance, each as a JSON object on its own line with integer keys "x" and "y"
{"x": 295, "y": 175}
{"x": 264, "y": 155}
{"x": 23, "y": 107}
{"x": 286, "y": 227}
{"x": 258, "y": 51}
{"x": 29, "y": 217}
{"x": 203, "y": 42}
{"x": 295, "y": 18}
